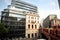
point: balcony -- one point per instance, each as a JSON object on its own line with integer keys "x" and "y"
{"x": 33, "y": 22}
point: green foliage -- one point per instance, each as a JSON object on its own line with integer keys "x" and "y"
{"x": 3, "y": 29}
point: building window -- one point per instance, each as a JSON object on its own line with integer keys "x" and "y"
{"x": 32, "y": 35}
{"x": 28, "y": 35}
{"x": 38, "y": 18}
{"x": 29, "y": 21}
{"x": 4, "y": 14}
{"x": 29, "y": 26}
{"x": 27, "y": 12}
{"x": 35, "y": 26}
{"x": 32, "y": 26}
{"x": 38, "y": 21}
{"x": 35, "y": 34}
{"x": 35, "y": 21}
{"x": 32, "y": 17}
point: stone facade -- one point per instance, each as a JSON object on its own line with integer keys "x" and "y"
{"x": 32, "y": 25}
{"x": 55, "y": 22}
{"x": 47, "y": 20}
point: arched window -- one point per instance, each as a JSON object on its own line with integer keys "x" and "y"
{"x": 35, "y": 34}
{"x": 32, "y": 35}
{"x": 35, "y": 26}
{"x": 28, "y": 35}
{"x": 32, "y": 26}
{"x": 29, "y": 26}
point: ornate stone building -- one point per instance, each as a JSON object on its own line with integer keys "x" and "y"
{"x": 32, "y": 25}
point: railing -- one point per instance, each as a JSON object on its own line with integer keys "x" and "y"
{"x": 54, "y": 33}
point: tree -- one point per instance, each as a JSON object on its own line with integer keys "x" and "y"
{"x": 3, "y": 29}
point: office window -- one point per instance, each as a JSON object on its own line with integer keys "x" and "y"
{"x": 4, "y": 14}
{"x": 32, "y": 26}
{"x": 28, "y": 35}
{"x": 32, "y": 34}
{"x": 29, "y": 26}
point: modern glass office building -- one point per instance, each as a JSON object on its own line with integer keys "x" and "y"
{"x": 24, "y": 6}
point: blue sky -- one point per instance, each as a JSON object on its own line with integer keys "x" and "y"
{"x": 45, "y": 7}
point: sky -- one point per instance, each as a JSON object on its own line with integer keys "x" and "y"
{"x": 45, "y": 7}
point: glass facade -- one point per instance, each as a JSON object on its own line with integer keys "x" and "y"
{"x": 24, "y": 6}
